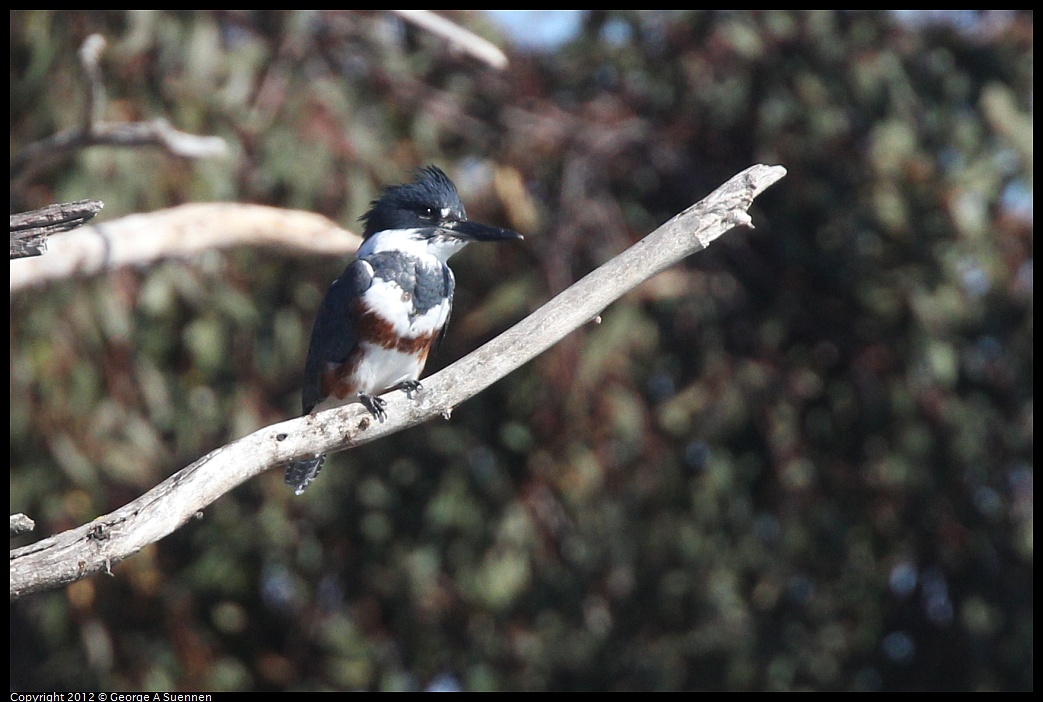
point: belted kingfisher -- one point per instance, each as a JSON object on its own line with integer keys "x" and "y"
{"x": 389, "y": 308}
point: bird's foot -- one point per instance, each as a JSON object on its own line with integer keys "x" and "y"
{"x": 375, "y": 405}
{"x": 409, "y": 387}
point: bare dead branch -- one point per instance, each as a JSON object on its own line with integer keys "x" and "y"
{"x": 29, "y": 230}
{"x": 180, "y": 231}
{"x": 467, "y": 41}
{"x": 109, "y": 539}
{"x": 94, "y": 131}
{"x": 157, "y": 132}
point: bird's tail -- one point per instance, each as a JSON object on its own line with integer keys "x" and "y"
{"x": 299, "y": 474}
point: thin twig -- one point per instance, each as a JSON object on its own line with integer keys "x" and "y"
{"x": 21, "y": 524}
{"x": 90, "y": 60}
{"x": 456, "y": 35}
{"x": 109, "y": 539}
{"x": 94, "y": 131}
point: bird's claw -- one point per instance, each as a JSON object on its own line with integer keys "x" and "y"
{"x": 375, "y": 405}
{"x": 410, "y": 387}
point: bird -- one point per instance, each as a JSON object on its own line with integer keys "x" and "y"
{"x": 381, "y": 319}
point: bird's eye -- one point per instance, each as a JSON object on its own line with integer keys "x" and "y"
{"x": 427, "y": 213}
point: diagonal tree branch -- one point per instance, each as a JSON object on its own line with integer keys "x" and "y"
{"x": 109, "y": 539}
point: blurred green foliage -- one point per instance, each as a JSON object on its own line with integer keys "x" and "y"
{"x": 801, "y": 460}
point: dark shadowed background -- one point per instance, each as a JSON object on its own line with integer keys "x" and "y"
{"x": 802, "y": 460}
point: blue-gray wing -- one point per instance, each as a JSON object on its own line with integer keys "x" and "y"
{"x": 448, "y": 290}
{"x": 333, "y": 336}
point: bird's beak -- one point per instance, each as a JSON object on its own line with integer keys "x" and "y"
{"x": 473, "y": 231}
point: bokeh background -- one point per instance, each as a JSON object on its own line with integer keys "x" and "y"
{"x": 802, "y": 460}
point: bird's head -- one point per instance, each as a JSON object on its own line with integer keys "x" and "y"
{"x": 429, "y": 209}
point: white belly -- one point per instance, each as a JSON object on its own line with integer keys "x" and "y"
{"x": 379, "y": 370}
